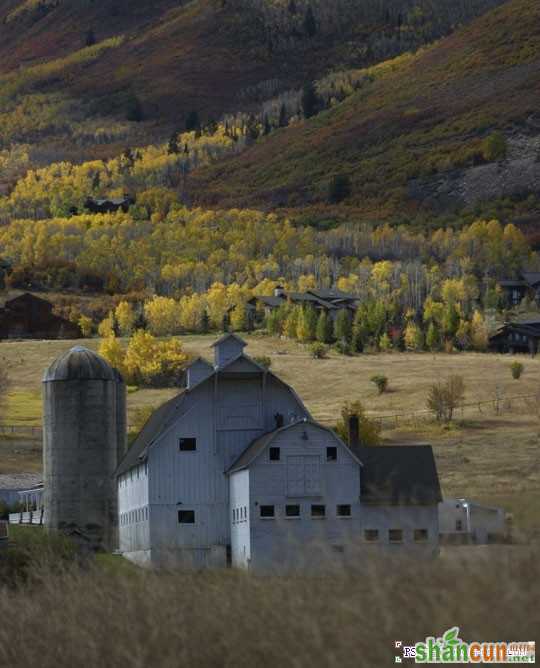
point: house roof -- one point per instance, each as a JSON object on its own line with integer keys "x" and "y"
{"x": 512, "y": 283}
{"x": 332, "y": 294}
{"x": 269, "y": 301}
{"x": 20, "y": 481}
{"x": 229, "y": 335}
{"x": 532, "y": 277}
{"x": 399, "y": 475}
{"x": 307, "y": 297}
{"x": 257, "y": 447}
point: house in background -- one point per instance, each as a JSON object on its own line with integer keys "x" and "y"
{"x": 30, "y": 317}
{"x": 109, "y": 205}
{"x": 331, "y": 301}
{"x": 234, "y": 469}
{"x": 517, "y": 336}
{"x": 515, "y": 290}
{"x": 11, "y": 486}
{"x": 465, "y": 521}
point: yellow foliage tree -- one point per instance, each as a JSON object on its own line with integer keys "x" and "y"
{"x": 87, "y": 326}
{"x": 111, "y": 349}
{"x": 162, "y": 315}
{"x": 125, "y": 317}
{"x": 479, "y": 332}
{"x": 106, "y": 326}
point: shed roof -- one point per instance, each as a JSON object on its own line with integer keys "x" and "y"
{"x": 399, "y": 475}
{"x": 80, "y": 363}
{"x": 532, "y": 277}
{"x": 257, "y": 447}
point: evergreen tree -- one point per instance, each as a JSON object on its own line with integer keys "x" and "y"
{"x": 90, "y": 38}
{"x": 339, "y": 188}
{"x": 134, "y": 111}
{"x": 172, "y": 146}
{"x": 225, "y": 323}
{"x": 310, "y": 100}
{"x": 433, "y": 339}
{"x": 324, "y": 328}
{"x": 307, "y": 324}
{"x": 310, "y": 24}
{"x": 283, "y": 119}
{"x": 193, "y": 122}
{"x": 342, "y": 327}
{"x": 267, "y": 128}
{"x": 292, "y": 7}
{"x": 205, "y": 322}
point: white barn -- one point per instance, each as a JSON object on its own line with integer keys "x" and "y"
{"x": 234, "y": 470}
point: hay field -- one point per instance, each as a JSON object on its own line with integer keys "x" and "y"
{"x": 495, "y": 458}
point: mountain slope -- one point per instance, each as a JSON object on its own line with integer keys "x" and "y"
{"x": 409, "y": 138}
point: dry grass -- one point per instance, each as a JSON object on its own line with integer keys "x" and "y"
{"x": 494, "y": 458}
{"x": 121, "y": 619}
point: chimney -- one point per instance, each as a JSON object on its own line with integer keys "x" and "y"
{"x": 278, "y": 417}
{"x": 279, "y": 291}
{"x": 354, "y": 432}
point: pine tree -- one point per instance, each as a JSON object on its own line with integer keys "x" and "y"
{"x": 205, "y": 322}
{"x": 307, "y": 324}
{"x": 172, "y": 147}
{"x": 324, "y": 328}
{"x": 90, "y": 38}
{"x": 283, "y": 119}
{"x": 310, "y": 100}
{"x": 339, "y": 189}
{"x": 342, "y": 327}
{"x": 310, "y": 24}
{"x": 193, "y": 122}
{"x": 433, "y": 340}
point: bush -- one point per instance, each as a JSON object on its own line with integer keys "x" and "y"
{"x": 381, "y": 382}
{"x": 344, "y": 348}
{"x": 444, "y": 398}
{"x": 263, "y": 360}
{"x": 369, "y": 430}
{"x": 318, "y": 351}
{"x": 517, "y": 369}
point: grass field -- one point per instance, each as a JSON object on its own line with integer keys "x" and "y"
{"x": 495, "y": 458}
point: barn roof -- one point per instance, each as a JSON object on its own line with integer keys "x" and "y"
{"x": 399, "y": 475}
{"x": 258, "y": 446}
{"x": 160, "y": 420}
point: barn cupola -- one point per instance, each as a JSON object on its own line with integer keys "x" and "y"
{"x": 198, "y": 371}
{"x": 227, "y": 348}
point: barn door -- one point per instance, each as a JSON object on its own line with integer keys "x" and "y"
{"x": 295, "y": 476}
{"x": 312, "y": 475}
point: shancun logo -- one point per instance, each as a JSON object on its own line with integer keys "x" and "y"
{"x": 451, "y": 649}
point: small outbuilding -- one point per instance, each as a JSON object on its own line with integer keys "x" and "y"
{"x": 465, "y": 521}
{"x": 30, "y": 317}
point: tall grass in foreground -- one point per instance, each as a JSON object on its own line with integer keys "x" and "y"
{"x": 106, "y": 618}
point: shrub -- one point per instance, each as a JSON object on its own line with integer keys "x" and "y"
{"x": 343, "y": 348}
{"x": 516, "y": 369}
{"x": 369, "y": 430}
{"x": 318, "y": 351}
{"x": 444, "y": 398}
{"x": 494, "y": 147}
{"x": 263, "y": 360}
{"x": 381, "y": 382}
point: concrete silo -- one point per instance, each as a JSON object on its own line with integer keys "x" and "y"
{"x": 84, "y": 436}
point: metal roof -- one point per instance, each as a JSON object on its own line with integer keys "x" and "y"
{"x": 399, "y": 475}
{"x": 80, "y": 363}
{"x": 259, "y": 444}
{"x": 229, "y": 335}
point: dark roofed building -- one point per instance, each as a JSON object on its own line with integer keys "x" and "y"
{"x": 399, "y": 475}
{"x": 517, "y": 336}
{"x": 31, "y": 317}
{"x": 109, "y": 205}
{"x": 527, "y": 284}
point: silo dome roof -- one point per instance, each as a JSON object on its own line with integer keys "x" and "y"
{"x": 79, "y": 364}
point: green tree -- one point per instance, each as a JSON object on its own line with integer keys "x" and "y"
{"x": 342, "y": 326}
{"x": 193, "y": 122}
{"x": 494, "y": 147}
{"x": 172, "y": 146}
{"x": 307, "y": 324}
{"x": 433, "y": 339}
{"x": 324, "y": 328}
{"x": 310, "y": 100}
{"x": 310, "y": 24}
{"x": 339, "y": 188}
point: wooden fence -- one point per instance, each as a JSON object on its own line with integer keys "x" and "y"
{"x": 495, "y": 406}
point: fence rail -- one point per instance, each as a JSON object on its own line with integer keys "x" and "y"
{"x": 499, "y": 405}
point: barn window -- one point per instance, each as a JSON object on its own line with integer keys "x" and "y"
{"x": 267, "y": 512}
{"x": 292, "y": 511}
{"x": 344, "y": 510}
{"x": 395, "y": 535}
{"x": 459, "y": 525}
{"x": 420, "y": 535}
{"x": 188, "y": 444}
{"x": 331, "y": 454}
{"x": 186, "y": 517}
{"x": 318, "y": 511}
{"x": 275, "y": 454}
{"x": 340, "y": 549}
{"x": 371, "y": 535}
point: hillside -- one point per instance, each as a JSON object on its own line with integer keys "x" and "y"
{"x": 419, "y": 139}
{"x": 83, "y": 79}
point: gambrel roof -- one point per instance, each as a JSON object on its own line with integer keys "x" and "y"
{"x": 259, "y": 445}
{"x": 166, "y": 415}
